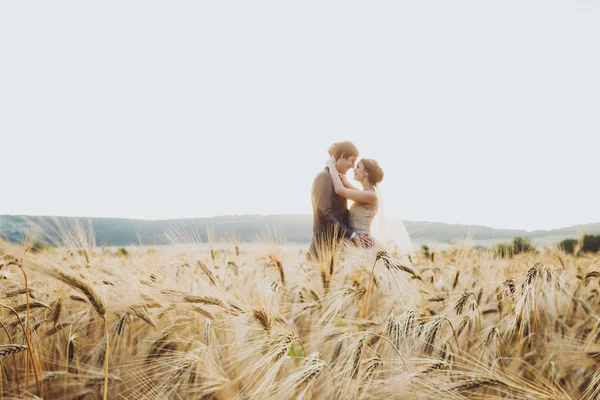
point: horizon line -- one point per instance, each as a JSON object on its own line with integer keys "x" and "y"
{"x": 283, "y": 215}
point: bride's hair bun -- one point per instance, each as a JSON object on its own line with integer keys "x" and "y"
{"x": 374, "y": 170}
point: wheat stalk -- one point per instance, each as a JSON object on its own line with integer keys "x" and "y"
{"x": 263, "y": 318}
{"x": 476, "y": 384}
{"x": 211, "y": 277}
{"x": 83, "y": 287}
{"x": 10, "y": 349}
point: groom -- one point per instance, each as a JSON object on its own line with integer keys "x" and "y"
{"x": 330, "y": 211}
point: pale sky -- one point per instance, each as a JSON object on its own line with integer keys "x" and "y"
{"x": 480, "y": 112}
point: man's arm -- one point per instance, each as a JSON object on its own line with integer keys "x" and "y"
{"x": 323, "y": 192}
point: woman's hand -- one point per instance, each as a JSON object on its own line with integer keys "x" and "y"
{"x": 331, "y": 164}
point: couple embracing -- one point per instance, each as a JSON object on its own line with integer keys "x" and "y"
{"x": 332, "y": 220}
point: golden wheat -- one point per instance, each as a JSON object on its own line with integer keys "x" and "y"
{"x": 186, "y": 321}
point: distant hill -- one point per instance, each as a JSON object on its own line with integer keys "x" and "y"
{"x": 295, "y": 228}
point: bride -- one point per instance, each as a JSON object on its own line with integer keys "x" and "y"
{"x": 367, "y": 204}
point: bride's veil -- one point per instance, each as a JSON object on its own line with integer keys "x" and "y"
{"x": 390, "y": 232}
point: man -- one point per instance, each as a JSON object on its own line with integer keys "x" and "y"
{"x": 330, "y": 211}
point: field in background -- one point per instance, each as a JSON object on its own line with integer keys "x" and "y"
{"x": 295, "y": 228}
{"x": 258, "y": 321}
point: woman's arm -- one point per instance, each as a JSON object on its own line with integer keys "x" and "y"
{"x": 346, "y": 183}
{"x": 359, "y": 196}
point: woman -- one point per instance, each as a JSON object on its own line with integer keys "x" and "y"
{"x": 369, "y": 174}
{"x": 368, "y": 203}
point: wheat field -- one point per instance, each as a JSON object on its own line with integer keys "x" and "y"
{"x": 238, "y": 321}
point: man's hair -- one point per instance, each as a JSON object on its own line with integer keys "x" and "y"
{"x": 348, "y": 149}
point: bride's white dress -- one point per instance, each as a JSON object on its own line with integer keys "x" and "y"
{"x": 361, "y": 220}
{"x": 362, "y": 216}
